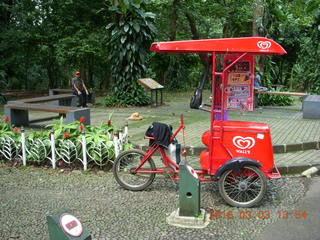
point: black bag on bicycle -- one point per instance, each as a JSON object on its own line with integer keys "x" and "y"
{"x": 161, "y": 133}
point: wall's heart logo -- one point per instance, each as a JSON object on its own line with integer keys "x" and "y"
{"x": 264, "y": 44}
{"x": 243, "y": 143}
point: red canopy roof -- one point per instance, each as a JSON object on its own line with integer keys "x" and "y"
{"x": 254, "y": 45}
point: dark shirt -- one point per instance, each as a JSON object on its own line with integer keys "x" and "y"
{"x": 161, "y": 132}
{"x": 78, "y": 82}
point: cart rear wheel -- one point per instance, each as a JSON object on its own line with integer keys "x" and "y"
{"x": 125, "y": 163}
{"x": 244, "y": 189}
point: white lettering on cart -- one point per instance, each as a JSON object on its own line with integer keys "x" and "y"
{"x": 243, "y": 151}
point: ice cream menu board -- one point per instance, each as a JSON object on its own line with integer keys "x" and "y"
{"x": 238, "y": 83}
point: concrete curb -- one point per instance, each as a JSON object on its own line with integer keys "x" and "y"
{"x": 296, "y": 168}
{"x": 293, "y": 147}
{"x": 278, "y": 148}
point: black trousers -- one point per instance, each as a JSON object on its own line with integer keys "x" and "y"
{"x": 82, "y": 98}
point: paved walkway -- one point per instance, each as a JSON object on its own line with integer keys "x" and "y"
{"x": 286, "y": 124}
{"x": 305, "y": 227}
{"x": 29, "y": 194}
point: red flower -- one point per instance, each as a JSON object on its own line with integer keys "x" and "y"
{"x": 16, "y": 130}
{"x": 6, "y": 119}
{"x": 109, "y": 123}
{"x": 81, "y": 127}
{"x": 66, "y": 135}
{"x": 82, "y": 119}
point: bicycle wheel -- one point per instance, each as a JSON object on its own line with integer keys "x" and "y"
{"x": 244, "y": 189}
{"x": 128, "y": 161}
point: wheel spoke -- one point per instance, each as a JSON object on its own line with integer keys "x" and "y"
{"x": 124, "y": 168}
{"x": 243, "y": 189}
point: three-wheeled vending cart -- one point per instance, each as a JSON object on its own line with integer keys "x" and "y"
{"x": 239, "y": 154}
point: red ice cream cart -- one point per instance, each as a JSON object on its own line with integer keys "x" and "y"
{"x": 239, "y": 154}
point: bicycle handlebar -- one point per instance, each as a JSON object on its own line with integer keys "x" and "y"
{"x": 202, "y": 107}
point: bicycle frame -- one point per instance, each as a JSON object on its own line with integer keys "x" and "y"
{"x": 167, "y": 161}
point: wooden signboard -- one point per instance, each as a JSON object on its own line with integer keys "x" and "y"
{"x": 149, "y": 84}
{"x": 152, "y": 86}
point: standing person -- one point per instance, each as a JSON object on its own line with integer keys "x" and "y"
{"x": 80, "y": 90}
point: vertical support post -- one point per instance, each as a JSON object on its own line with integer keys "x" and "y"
{"x": 126, "y": 132}
{"x": 189, "y": 214}
{"x": 213, "y": 82}
{"x": 84, "y": 151}
{"x": 120, "y": 140}
{"x": 189, "y": 191}
{"x": 23, "y": 146}
{"x": 116, "y": 144}
{"x": 53, "y": 149}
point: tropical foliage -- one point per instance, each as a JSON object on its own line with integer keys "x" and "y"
{"x": 42, "y": 42}
{"x": 68, "y": 140}
{"x": 131, "y": 35}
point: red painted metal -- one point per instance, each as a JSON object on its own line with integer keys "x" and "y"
{"x": 251, "y": 45}
{"x": 225, "y": 139}
{"x": 240, "y": 139}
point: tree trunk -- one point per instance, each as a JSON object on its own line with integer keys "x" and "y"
{"x": 193, "y": 26}
{"x": 51, "y": 68}
{"x": 90, "y": 72}
{"x": 174, "y": 18}
{"x": 195, "y": 36}
{"x": 5, "y": 15}
{"x": 258, "y": 30}
{"x": 257, "y": 19}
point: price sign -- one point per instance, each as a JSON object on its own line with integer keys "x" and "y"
{"x": 238, "y": 83}
{"x": 71, "y": 225}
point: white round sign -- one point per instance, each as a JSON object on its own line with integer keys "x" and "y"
{"x": 71, "y": 225}
{"x": 192, "y": 171}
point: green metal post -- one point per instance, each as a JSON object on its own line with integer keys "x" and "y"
{"x": 189, "y": 191}
{"x": 63, "y": 231}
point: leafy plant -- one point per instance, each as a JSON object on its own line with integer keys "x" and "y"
{"x": 131, "y": 35}
{"x": 67, "y": 131}
{"x": 7, "y": 130}
{"x": 275, "y": 100}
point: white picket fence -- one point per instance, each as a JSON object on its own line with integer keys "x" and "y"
{"x": 37, "y": 150}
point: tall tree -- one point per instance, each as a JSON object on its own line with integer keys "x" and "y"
{"x": 131, "y": 35}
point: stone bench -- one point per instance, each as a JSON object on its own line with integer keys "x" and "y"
{"x": 19, "y": 113}
{"x": 59, "y": 91}
{"x": 62, "y": 99}
{"x": 311, "y": 107}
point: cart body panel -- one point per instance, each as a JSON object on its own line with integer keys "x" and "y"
{"x": 233, "y": 139}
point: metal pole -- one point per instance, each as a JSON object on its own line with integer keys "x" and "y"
{"x": 84, "y": 150}
{"x": 116, "y": 144}
{"x": 53, "y": 149}
{"x": 126, "y": 132}
{"x": 23, "y": 145}
{"x": 120, "y": 138}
